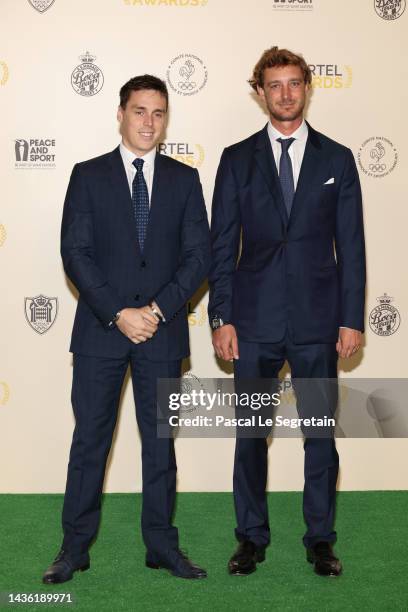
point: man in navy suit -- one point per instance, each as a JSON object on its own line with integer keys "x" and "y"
{"x": 135, "y": 243}
{"x": 296, "y": 293}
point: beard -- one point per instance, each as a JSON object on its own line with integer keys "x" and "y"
{"x": 289, "y": 115}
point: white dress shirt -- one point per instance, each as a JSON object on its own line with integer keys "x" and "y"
{"x": 148, "y": 167}
{"x": 296, "y": 149}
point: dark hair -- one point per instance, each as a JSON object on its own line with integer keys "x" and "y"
{"x": 278, "y": 57}
{"x": 145, "y": 81}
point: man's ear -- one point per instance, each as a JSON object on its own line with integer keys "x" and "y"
{"x": 261, "y": 92}
{"x": 119, "y": 114}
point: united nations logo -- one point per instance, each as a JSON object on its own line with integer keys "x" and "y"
{"x": 389, "y": 9}
{"x": 87, "y": 78}
{"x": 187, "y": 74}
{"x": 4, "y": 393}
{"x": 3, "y": 235}
{"x": 4, "y": 73}
{"x": 377, "y": 157}
{"x": 41, "y": 312}
{"x": 41, "y": 5}
{"x": 384, "y": 319}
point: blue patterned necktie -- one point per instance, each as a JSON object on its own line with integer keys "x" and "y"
{"x": 140, "y": 199}
{"x": 286, "y": 173}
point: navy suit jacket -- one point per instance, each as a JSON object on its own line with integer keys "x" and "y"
{"x": 101, "y": 253}
{"x": 306, "y": 273}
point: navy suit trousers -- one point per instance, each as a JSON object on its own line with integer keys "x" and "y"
{"x": 264, "y": 361}
{"x": 96, "y": 390}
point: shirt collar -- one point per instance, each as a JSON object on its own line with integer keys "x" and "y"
{"x": 300, "y": 133}
{"x": 129, "y": 157}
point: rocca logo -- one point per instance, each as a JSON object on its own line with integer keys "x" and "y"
{"x": 3, "y": 235}
{"x": 165, "y": 2}
{"x": 389, "y": 9}
{"x": 34, "y": 153}
{"x": 41, "y": 312}
{"x": 192, "y": 155}
{"x": 41, "y": 5}
{"x": 87, "y": 78}
{"x": 331, "y": 76}
{"x": 384, "y": 319}
{"x": 198, "y": 317}
{"x": 377, "y": 157}
{"x": 4, "y": 393}
{"x": 4, "y": 73}
{"x": 187, "y": 74}
{"x": 293, "y": 5}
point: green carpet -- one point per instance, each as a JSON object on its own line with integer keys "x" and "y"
{"x": 372, "y": 544}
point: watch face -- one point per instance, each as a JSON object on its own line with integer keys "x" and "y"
{"x": 216, "y": 322}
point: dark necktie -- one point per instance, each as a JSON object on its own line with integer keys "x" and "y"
{"x": 286, "y": 173}
{"x": 140, "y": 199}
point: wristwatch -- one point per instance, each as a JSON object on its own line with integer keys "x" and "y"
{"x": 216, "y": 322}
{"x": 115, "y": 318}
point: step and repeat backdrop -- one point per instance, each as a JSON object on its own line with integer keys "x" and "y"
{"x": 62, "y": 63}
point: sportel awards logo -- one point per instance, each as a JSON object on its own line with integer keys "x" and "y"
{"x": 166, "y": 2}
{"x": 3, "y": 234}
{"x": 4, "y": 393}
{"x": 187, "y": 74}
{"x": 293, "y": 5}
{"x": 384, "y": 319}
{"x": 331, "y": 76}
{"x": 192, "y": 155}
{"x": 4, "y": 73}
{"x": 40, "y": 312}
{"x": 41, "y": 5}
{"x": 389, "y": 9}
{"x": 87, "y": 78}
{"x": 377, "y": 157}
{"x": 34, "y": 153}
{"x": 198, "y": 317}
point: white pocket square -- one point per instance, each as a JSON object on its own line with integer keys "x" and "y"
{"x": 329, "y": 182}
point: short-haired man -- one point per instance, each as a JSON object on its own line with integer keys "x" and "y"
{"x": 296, "y": 294}
{"x": 135, "y": 243}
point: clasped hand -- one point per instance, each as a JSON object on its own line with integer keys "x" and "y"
{"x": 138, "y": 324}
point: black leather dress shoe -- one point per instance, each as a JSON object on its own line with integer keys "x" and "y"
{"x": 62, "y": 569}
{"x": 177, "y": 563}
{"x": 244, "y": 560}
{"x": 324, "y": 561}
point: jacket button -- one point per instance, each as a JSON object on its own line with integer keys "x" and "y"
{"x": 137, "y": 297}
{"x": 143, "y": 264}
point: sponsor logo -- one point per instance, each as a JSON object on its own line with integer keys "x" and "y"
{"x": 198, "y": 317}
{"x": 187, "y": 74}
{"x": 377, "y": 157}
{"x": 384, "y": 319}
{"x": 190, "y": 382}
{"x": 331, "y": 76}
{"x": 40, "y": 312}
{"x": 87, "y": 78}
{"x": 4, "y": 73}
{"x": 192, "y": 155}
{"x": 3, "y": 235}
{"x": 389, "y": 9}
{"x": 293, "y": 5}
{"x": 34, "y": 153}
{"x": 166, "y": 2}
{"x": 41, "y": 5}
{"x": 4, "y": 393}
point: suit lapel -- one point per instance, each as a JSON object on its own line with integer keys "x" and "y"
{"x": 120, "y": 186}
{"x": 266, "y": 162}
{"x": 308, "y": 171}
{"x": 160, "y": 193}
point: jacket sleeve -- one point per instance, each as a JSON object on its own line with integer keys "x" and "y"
{"x": 195, "y": 255}
{"x": 225, "y": 240}
{"x": 350, "y": 247}
{"x": 77, "y": 251}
